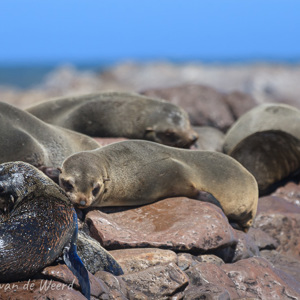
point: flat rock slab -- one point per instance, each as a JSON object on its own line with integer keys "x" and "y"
{"x": 175, "y": 223}
{"x": 138, "y": 259}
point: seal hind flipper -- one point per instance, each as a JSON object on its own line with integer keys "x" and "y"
{"x": 74, "y": 263}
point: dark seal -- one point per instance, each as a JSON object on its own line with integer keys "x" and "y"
{"x": 37, "y": 225}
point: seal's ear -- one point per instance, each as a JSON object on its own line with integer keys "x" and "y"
{"x": 59, "y": 170}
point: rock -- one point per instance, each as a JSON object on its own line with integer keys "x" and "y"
{"x": 95, "y": 257}
{"x": 205, "y": 105}
{"x": 63, "y": 274}
{"x": 135, "y": 260}
{"x": 186, "y": 260}
{"x": 209, "y": 276}
{"x": 280, "y": 220}
{"x": 256, "y": 278}
{"x": 262, "y": 239}
{"x": 117, "y": 288}
{"x": 282, "y": 262}
{"x": 245, "y": 247}
{"x": 39, "y": 289}
{"x": 239, "y": 103}
{"x": 179, "y": 224}
{"x": 210, "y": 139}
{"x": 158, "y": 282}
{"x": 207, "y": 292}
{"x": 290, "y": 192}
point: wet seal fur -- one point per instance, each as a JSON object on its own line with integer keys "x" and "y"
{"x": 266, "y": 140}
{"x": 24, "y": 137}
{"x": 139, "y": 172}
{"x": 40, "y": 225}
{"x": 116, "y": 114}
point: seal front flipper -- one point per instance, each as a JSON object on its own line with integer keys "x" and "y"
{"x": 74, "y": 263}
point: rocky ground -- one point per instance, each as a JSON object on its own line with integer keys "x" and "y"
{"x": 179, "y": 248}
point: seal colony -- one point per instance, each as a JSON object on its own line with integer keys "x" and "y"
{"x": 40, "y": 225}
{"x": 141, "y": 172}
{"x": 24, "y": 137}
{"x": 266, "y": 140}
{"x": 115, "y": 114}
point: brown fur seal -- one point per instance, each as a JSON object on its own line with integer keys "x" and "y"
{"x": 266, "y": 140}
{"x": 140, "y": 172}
{"x": 26, "y": 138}
{"x": 117, "y": 114}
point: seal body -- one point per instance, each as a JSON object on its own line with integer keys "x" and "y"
{"x": 24, "y": 137}
{"x": 266, "y": 140}
{"x": 141, "y": 172}
{"x": 120, "y": 115}
{"x": 34, "y": 233}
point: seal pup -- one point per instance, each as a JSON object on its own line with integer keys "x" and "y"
{"x": 116, "y": 114}
{"x": 141, "y": 172}
{"x": 40, "y": 226}
{"x": 23, "y": 137}
{"x": 266, "y": 140}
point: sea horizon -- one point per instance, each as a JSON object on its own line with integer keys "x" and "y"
{"x": 24, "y": 75}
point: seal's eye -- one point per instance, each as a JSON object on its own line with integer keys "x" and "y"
{"x": 96, "y": 190}
{"x": 67, "y": 185}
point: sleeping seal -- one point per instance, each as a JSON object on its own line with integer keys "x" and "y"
{"x": 266, "y": 141}
{"x": 115, "y": 114}
{"x": 24, "y": 137}
{"x": 140, "y": 172}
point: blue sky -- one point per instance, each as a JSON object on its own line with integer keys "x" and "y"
{"x": 38, "y": 31}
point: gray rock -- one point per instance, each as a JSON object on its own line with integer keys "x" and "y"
{"x": 95, "y": 257}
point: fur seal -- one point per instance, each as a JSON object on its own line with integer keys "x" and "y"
{"x": 115, "y": 114}
{"x": 40, "y": 226}
{"x": 266, "y": 140}
{"x": 140, "y": 172}
{"x": 24, "y": 137}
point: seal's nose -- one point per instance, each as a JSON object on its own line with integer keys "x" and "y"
{"x": 82, "y": 202}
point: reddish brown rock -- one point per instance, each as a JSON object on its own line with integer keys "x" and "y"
{"x": 262, "y": 239}
{"x": 174, "y": 223}
{"x": 158, "y": 282}
{"x": 135, "y": 260}
{"x": 290, "y": 192}
{"x": 39, "y": 289}
{"x": 256, "y": 278}
{"x": 63, "y": 274}
{"x": 284, "y": 263}
{"x": 208, "y": 275}
{"x": 281, "y": 220}
{"x": 239, "y": 103}
{"x": 205, "y": 105}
